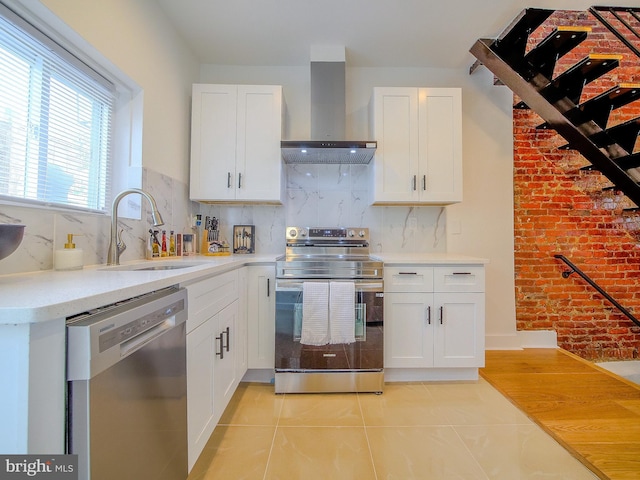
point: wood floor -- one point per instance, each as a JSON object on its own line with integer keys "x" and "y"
{"x": 593, "y": 413}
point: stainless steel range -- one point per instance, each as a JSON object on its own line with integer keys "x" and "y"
{"x": 329, "y": 313}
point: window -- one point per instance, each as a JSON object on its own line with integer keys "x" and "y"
{"x": 56, "y": 117}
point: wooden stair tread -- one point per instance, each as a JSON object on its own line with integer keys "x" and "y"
{"x": 629, "y": 162}
{"x": 598, "y": 108}
{"x": 624, "y": 134}
{"x": 562, "y": 40}
{"x": 512, "y": 42}
{"x": 570, "y": 83}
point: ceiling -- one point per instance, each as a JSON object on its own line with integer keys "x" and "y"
{"x": 375, "y": 33}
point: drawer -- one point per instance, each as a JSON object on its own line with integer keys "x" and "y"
{"x": 459, "y": 278}
{"x": 408, "y": 279}
{"x": 207, "y": 297}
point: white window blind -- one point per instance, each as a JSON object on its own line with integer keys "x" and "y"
{"x": 55, "y": 122}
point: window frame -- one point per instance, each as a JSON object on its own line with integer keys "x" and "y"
{"x": 126, "y": 138}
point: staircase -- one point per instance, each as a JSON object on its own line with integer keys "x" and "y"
{"x": 564, "y": 97}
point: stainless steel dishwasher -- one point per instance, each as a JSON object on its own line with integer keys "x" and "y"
{"x": 127, "y": 389}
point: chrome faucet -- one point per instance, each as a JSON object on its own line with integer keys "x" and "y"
{"x": 116, "y": 244}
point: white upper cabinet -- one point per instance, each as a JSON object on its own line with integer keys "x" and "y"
{"x": 419, "y": 154}
{"x": 235, "y": 143}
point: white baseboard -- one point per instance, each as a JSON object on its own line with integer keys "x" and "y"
{"x": 259, "y": 375}
{"x": 522, "y": 339}
{"x": 503, "y": 342}
{"x": 538, "y": 338}
{"x": 429, "y": 374}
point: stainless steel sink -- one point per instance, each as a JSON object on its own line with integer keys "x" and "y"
{"x": 140, "y": 267}
{"x": 165, "y": 267}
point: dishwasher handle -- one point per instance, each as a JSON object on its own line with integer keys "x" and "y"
{"x": 136, "y": 343}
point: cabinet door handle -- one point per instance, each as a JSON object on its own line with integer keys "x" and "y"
{"x": 424, "y": 182}
{"x": 239, "y": 180}
{"x": 268, "y": 287}
{"x": 221, "y": 344}
{"x": 429, "y": 315}
{"x": 414, "y": 182}
{"x": 228, "y": 179}
{"x": 441, "y": 314}
{"x": 228, "y": 338}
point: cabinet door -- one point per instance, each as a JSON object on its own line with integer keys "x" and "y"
{"x": 408, "y": 330}
{"x": 440, "y": 140}
{"x": 395, "y": 127}
{"x": 459, "y": 329}
{"x": 262, "y": 316}
{"x": 258, "y": 158}
{"x": 201, "y": 418}
{"x": 213, "y": 142}
{"x": 225, "y": 369}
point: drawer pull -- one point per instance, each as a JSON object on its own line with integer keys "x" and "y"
{"x": 221, "y": 340}
{"x": 461, "y": 273}
{"x": 407, "y": 273}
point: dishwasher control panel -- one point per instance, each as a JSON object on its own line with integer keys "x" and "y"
{"x": 101, "y": 337}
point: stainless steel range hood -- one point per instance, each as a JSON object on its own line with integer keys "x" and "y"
{"x": 328, "y": 144}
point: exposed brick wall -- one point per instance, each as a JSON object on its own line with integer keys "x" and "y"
{"x": 562, "y": 210}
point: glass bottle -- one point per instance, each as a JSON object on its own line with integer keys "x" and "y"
{"x": 163, "y": 251}
{"x": 155, "y": 245}
{"x": 172, "y": 244}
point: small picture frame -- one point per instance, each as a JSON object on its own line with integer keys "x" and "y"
{"x": 244, "y": 239}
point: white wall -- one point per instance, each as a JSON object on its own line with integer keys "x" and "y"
{"x": 482, "y": 225}
{"x": 136, "y": 36}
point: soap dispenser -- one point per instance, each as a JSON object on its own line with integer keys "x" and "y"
{"x": 69, "y": 258}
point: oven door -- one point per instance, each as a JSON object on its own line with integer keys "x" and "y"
{"x": 366, "y": 353}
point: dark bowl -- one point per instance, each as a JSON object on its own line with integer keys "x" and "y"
{"x": 10, "y": 238}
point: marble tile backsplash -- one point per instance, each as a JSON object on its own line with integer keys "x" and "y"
{"x": 337, "y": 195}
{"x": 46, "y": 229}
{"x": 315, "y": 195}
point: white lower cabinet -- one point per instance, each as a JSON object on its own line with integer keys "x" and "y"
{"x": 200, "y": 403}
{"x": 434, "y": 322}
{"x": 261, "y": 316}
{"x": 216, "y": 349}
{"x": 225, "y": 363}
{"x": 408, "y": 331}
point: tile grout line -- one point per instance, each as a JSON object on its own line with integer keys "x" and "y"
{"x": 273, "y": 439}
{"x": 469, "y": 451}
{"x": 366, "y": 436}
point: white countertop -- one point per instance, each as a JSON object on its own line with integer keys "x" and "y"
{"x": 50, "y": 294}
{"x": 47, "y": 295}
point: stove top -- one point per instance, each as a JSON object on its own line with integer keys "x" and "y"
{"x": 321, "y": 252}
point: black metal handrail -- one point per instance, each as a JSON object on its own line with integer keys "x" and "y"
{"x": 588, "y": 279}
{"x": 633, "y": 11}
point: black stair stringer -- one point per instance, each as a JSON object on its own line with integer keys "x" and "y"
{"x": 556, "y": 117}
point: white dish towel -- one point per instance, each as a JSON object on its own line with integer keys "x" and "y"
{"x": 315, "y": 313}
{"x": 342, "y": 317}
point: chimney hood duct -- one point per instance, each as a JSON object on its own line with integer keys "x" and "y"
{"x": 327, "y": 144}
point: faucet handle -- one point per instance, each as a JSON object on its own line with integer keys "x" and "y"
{"x": 120, "y": 245}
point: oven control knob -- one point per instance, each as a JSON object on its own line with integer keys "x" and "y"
{"x": 303, "y": 233}
{"x": 361, "y": 234}
{"x": 293, "y": 232}
{"x": 351, "y": 233}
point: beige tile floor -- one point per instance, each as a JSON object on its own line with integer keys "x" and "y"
{"x": 412, "y": 431}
